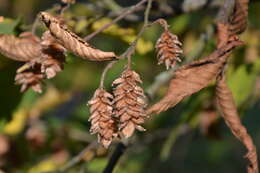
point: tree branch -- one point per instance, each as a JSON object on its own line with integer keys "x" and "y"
{"x": 124, "y": 14}
{"x": 75, "y": 160}
{"x": 118, "y": 152}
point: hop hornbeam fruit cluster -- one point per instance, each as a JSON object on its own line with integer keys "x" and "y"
{"x": 129, "y": 103}
{"x": 168, "y": 47}
{"x": 121, "y": 114}
{"x": 102, "y": 120}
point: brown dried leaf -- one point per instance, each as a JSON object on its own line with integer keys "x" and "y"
{"x": 232, "y": 20}
{"x": 22, "y": 48}
{"x": 193, "y": 77}
{"x": 72, "y": 42}
{"x": 229, "y": 112}
{"x": 238, "y": 19}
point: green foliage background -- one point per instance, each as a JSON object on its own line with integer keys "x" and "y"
{"x": 174, "y": 141}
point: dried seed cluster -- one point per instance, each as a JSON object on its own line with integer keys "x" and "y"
{"x": 120, "y": 114}
{"x": 102, "y": 121}
{"x": 43, "y": 57}
{"x": 31, "y": 78}
{"x": 168, "y": 47}
{"x": 129, "y": 103}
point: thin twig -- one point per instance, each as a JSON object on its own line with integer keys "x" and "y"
{"x": 131, "y": 49}
{"x": 119, "y": 151}
{"x": 103, "y": 76}
{"x": 75, "y": 160}
{"x": 35, "y": 25}
{"x": 127, "y": 12}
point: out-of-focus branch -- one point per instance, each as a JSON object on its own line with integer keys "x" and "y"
{"x": 124, "y": 14}
{"x": 118, "y": 152}
{"x": 75, "y": 160}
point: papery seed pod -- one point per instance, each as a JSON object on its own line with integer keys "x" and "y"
{"x": 30, "y": 78}
{"x": 129, "y": 103}
{"x": 53, "y": 57}
{"x": 102, "y": 121}
{"x": 229, "y": 112}
{"x": 72, "y": 42}
{"x": 22, "y": 48}
{"x": 168, "y": 47}
{"x": 193, "y": 77}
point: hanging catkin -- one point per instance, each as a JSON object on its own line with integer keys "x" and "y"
{"x": 23, "y": 48}
{"x": 229, "y": 112}
{"x": 193, "y": 77}
{"x": 129, "y": 103}
{"x": 168, "y": 47}
{"x": 52, "y": 57}
{"x": 102, "y": 121}
{"x": 72, "y": 42}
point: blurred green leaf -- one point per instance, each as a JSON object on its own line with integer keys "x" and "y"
{"x": 8, "y": 26}
{"x": 241, "y": 83}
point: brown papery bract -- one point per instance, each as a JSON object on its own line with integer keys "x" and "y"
{"x": 23, "y": 48}
{"x": 193, "y": 77}
{"x": 229, "y": 112}
{"x": 30, "y": 78}
{"x": 72, "y": 42}
{"x": 102, "y": 121}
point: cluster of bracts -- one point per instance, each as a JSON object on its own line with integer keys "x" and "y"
{"x": 120, "y": 113}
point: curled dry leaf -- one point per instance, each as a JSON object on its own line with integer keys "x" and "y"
{"x": 72, "y": 42}
{"x": 102, "y": 121}
{"x": 129, "y": 103}
{"x": 22, "y": 48}
{"x": 193, "y": 77}
{"x": 232, "y": 20}
{"x": 238, "y": 19}
{"x": 168, "y": 47}
{"x": 229, "y": 112}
